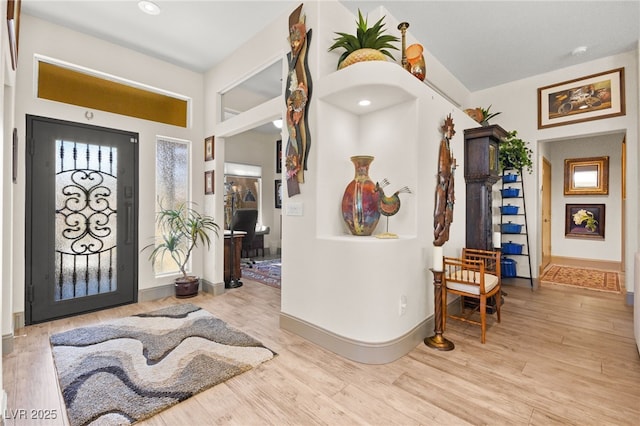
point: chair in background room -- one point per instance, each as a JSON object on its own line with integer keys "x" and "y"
{"x": 245, "y": 220}
{"x": 475, "y": 275}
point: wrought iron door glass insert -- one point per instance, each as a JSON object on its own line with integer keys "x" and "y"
{"x": 86, "y": 219}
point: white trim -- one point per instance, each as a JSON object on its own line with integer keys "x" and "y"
{"x": 95, "y": 73}
{"x": 110, "y": 77}
{"x": 266, "y": 64}
{"x": 245, "y": 170}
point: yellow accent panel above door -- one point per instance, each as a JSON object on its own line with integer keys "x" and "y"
{"x": 65, "y": 85}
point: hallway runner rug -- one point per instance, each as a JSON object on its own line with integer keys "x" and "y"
{"x": 592, "y": 279}
{"x": 264, "y": 271}
{"x": 123, "y": 371}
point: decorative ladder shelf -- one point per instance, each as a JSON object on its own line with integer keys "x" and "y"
{"x": 515, "y": 224}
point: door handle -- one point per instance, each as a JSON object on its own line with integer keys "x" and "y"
{"x": 128, "y": 221}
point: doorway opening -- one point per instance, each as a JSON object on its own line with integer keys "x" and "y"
{"x": 252, "y": 173}
{"x": 604, "y": 251}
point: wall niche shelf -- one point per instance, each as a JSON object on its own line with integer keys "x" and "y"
{"x": 390, "y": 121}
{"x": 366, "y": 324}
{"x": 369, "y": 239}
{"x": 385, "y": 84}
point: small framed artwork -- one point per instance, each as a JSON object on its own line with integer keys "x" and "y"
{"x": 585, "y": 221}
{"x": 278, "y": 194}
{"x": 208, "y": 148}
{"x": 586, "y": 98}
{"x": 208, "y": 182}
{"x": 279, "y": 156}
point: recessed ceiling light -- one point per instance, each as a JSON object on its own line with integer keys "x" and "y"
{"x": 364, "y": 102}
{"x": 579, "y": 51}
{"x": 149, "y": 7}
{"x": 278, "y": 123}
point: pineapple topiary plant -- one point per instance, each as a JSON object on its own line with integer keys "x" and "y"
{"x": 369, "y": 44}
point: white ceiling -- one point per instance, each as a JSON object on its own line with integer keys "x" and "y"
{"x": 483, "y": 43}
{"x": 487, "y": 43}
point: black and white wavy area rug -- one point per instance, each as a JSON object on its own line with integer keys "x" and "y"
{"x": 123, "y": 371}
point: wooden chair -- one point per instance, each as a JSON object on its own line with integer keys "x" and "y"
{"x": 475, "y": 275}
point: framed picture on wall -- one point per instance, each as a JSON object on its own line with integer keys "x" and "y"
{"x": 586, "y": 98}
{"x": 278, "y": 194}
{"x": 585, "y": 221}
{"x": 208, "y": 148}
{"x": 279, "y": 156}
{"x": 208, "y": 182}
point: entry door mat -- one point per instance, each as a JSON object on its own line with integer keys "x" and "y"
{"x": 123, "y": 371}
{"x": 265, "y": 272}
{"x": 592, "y": 279}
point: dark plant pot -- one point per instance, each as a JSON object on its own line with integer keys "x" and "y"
{"x": 186, "y": 287}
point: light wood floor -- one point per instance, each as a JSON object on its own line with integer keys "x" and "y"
{"x": 560, "y": 356}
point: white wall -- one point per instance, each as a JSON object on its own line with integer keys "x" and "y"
{"x": 321, "y": 293}
{"x": 7, "y": 77}
{"x": 518, "y": 103}
{"x": 355, "y": 289}
{"x": 41, "y": 37}
{"x": 261, "y": 51}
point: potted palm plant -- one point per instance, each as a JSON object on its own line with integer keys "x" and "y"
{"x": 514, "y": 153}
{"x": 369, "y": 44}
{"x": 182, "y": 228}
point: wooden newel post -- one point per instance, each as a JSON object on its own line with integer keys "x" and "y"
{"x": 437, "y": 341}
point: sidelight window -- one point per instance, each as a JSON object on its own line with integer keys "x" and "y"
{"x": 172, "y": 183}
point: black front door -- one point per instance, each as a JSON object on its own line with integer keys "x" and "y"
{"x": 81, "y": 218}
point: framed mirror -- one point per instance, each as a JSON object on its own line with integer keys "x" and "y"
{"x": 586, "y": 176}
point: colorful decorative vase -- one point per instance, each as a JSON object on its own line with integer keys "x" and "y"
{"x": 360, "y": 200}
{"x": 416, "y": 61}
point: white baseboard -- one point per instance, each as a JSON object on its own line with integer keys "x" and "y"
{"x": 7, "y": 344}
{"x": 168, "y": 290}
{"x": 18, "y": 320}
{"x": 364, "y": 352}
{"x": 214, "y": 288}
{"x": 160, "y": 292}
